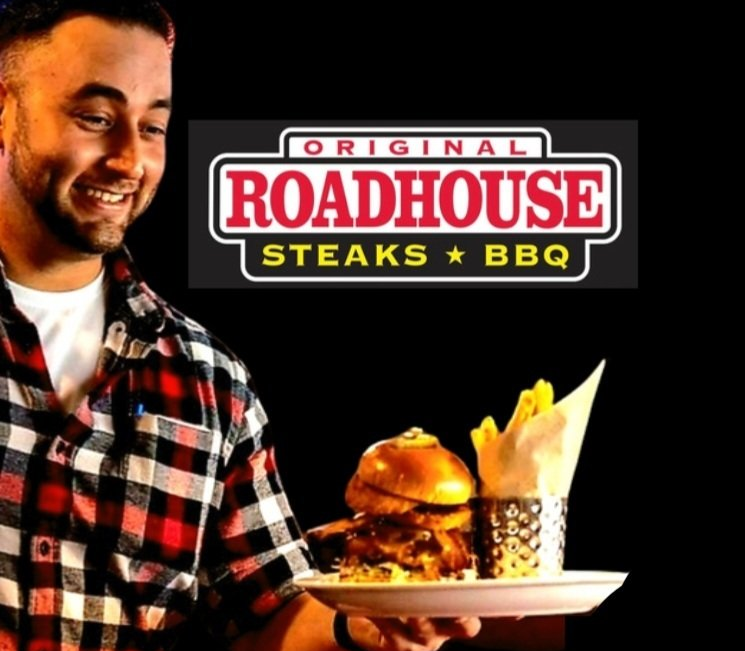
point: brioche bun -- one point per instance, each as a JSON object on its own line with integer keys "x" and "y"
{"x": 399, "y": 473}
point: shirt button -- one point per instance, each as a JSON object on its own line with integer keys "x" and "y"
{"x": 44, "y": 548}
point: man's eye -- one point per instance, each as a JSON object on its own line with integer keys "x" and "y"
{"x": 95, "y": 121}
{"x": 154, "y": 130}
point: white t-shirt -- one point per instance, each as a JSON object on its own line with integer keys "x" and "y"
{"x": 70, "y": 325}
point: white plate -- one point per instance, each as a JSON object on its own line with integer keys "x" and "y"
{"x": 571, "y": 592}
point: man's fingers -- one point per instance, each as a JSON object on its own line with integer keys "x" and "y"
{"x": 461, "y": 627}
{"x": 398, "y": 634}
{"x": 424, "y": 634}
{"x": 421, "y": 629}
{"x": 411, "y": 635}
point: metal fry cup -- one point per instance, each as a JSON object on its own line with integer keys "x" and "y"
{"x": 519, "y": 536}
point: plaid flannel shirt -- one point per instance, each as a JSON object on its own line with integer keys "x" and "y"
{"x": 157, "y": 500}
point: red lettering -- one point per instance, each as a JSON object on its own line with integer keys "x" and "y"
{"x": 544, "y": 199}
{"x": 387, "y": 192}
{"x": 426, "y": 197}
{"x": 473, "y": 202}
{"x": 344, "y": 147}
{"x": 494, "y": 197}
{"x": 461, "y": 197}
{"x": 240, "y": 197}
{"x": 575, "y": 198}
{"x": 277, "y": 197}
{"x": 514, "y": 152}
{"x": 333, "y": 198}
{"x": 453, "y": 147}
{"x": 486, "y": 148}
{"x": 312, "y": 147}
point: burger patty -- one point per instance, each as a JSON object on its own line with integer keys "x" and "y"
{"x": 430, "y": 516}
{"x": 427, "y": 554}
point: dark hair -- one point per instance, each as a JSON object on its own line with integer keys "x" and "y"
{"x": 21, "y": 19}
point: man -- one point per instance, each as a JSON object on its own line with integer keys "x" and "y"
{"x": 138, "y": 487}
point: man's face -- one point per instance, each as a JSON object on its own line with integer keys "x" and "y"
{"x": 83, "y": 129}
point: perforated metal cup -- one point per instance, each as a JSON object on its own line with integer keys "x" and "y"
{"x": 520, "y": 536}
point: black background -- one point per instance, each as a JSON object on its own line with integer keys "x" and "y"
{"x": 339, "y": 369}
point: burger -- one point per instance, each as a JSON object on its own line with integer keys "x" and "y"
{"x": 413, "y": 520}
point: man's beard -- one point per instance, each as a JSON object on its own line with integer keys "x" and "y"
{"x": 99, "y": 239}
{"x": 35, "y": 180}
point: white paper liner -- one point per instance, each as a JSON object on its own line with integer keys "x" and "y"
{"x": 538, "y": 459}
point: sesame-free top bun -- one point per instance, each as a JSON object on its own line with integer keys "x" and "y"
{"x": 413, "y": 519}
{"x": 414, "y": 466}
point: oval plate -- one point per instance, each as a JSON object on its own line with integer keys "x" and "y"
{"x": 570, "y": 592}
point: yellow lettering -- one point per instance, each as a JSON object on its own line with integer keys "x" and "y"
{"x": 558, "y": 260}
{"x": 356, "y": 255}
{"x": 327, "y": 255}
{"x": 416, "y": 255}
{"x": 383, "y": 252}
{"x": 496, "y": 255}
{"x": 273, "y": 255}
{"x": 300, "y": 251}
{"x": 526, "y": 255}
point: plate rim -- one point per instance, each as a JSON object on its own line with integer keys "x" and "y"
{"x": 330, "y": 581}
{"x": 359, "y": 599}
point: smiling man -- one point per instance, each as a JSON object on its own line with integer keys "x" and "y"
{"x": 138, "y": 486}
{"x": 138, "y": 476}
{"x": 84, "y": 127}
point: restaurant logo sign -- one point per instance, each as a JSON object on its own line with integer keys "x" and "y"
{"x": 414, "y": 205}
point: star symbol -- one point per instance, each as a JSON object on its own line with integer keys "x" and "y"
{"x": 456, "y": 255}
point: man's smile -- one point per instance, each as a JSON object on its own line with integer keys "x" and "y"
{"x": 102, "y": 197}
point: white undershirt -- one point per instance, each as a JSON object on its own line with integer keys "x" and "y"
{"x": 70, "y": 325}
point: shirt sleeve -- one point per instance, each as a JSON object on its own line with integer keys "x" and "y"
{"x": 254, "y": 547}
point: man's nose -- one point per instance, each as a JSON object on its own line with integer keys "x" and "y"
{"x": 125, "y": 155}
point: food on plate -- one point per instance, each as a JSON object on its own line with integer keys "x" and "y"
{"x": 525, "y": 474}
{"x": 487, "y": 440}
{"x": 417, "y": 518}
{"x": 412, "y": 515}
{"x": 413, "y": 522}
{"x": 530, "y": 403}
{"x": 326, "y": 542}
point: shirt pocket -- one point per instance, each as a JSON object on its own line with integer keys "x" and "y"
{"x": 154, "y": 492}
{"x": 170, "y": 482}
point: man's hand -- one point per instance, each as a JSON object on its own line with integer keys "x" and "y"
{"x": 304, "y": 624}
{"x": 413, "y": 634}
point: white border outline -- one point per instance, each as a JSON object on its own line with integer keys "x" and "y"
{"x": 410, "y": 279}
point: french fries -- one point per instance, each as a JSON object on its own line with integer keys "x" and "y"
{"x": 524, "y": 476}
{"x": 544, "y": 396}
{"x": 530, "y": 403}
{"x": 486, "y": 432}
{"x": 491, "y": 451}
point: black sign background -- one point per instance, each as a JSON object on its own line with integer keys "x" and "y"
{"x": 338, "y": 369}
{"x": 218, "y": 265}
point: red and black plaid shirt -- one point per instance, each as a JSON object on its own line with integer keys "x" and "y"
{"x": 158, "y": 499}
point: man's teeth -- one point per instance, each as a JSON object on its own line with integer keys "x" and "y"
{"x": 106, "y": 197}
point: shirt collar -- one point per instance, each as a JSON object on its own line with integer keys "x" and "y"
{"x": 147, "y": 311}
{"x": 129, "y": 296}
